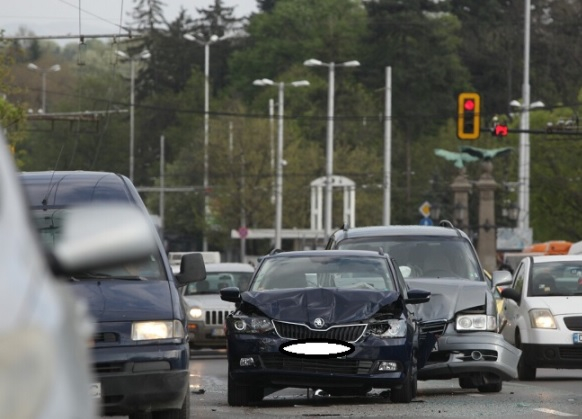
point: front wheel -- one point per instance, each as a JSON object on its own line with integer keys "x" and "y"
{"x": 182, "y": 413}
{"x": 491, "y": 387}
{"x": 525, "y": 372}
{"x": 407, "y": 392}
{"x": 238, "y": 395}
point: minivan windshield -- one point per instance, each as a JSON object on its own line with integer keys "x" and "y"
{"x": 422, "y": 256}
{"x": 49, "y": 223}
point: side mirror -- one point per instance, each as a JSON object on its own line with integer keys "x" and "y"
{"x": 230, "y": 294}
{"x": 501, "y": 278}
{"x": 417, "y": 296}
{"x": 192, "y": 269}
{"x": 511, "y": 294}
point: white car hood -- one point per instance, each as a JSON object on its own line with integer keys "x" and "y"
{"x": 208, "y": 301}
{"x": 559, "y": 306}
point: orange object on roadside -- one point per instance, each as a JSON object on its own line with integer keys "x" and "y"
{"x": 552, "y": 247}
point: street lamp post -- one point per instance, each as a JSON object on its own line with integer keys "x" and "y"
{"x": 329, "y": 143}
{"x": 144, "y": 55}
{"x": 198, "y": 38}
{"x": 43, "y": 72}
{"x": 279, "y": 163}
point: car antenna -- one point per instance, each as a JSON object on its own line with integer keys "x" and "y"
{"x": 44, "y": 201}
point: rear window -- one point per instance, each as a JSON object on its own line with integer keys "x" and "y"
{"x": 441, "y": 257}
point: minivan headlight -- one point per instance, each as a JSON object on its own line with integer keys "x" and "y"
{"x": 476, "y": 322}
{"x": 155, "y": 330}
{"x": 542, "y": 318}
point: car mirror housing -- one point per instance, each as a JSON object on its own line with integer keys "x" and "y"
{"x": 512, "y": 294}
{"x": 501, "y": 278}
{"x": 417, "y": 296}
{"x": 230, "y": 294}
{"x": 192, "y": 269}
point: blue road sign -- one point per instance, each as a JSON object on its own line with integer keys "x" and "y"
{"x": 426, "y": 221}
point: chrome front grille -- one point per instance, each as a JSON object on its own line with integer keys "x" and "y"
{"x": 216, "y": 317}
{"x": 436, "y": 327}
{"x": 347, "y": 333}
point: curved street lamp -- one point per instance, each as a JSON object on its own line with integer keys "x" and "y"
{"x": 312, "y": 62}
{"x": 144, "y": 55}
{"x": 279, "y": 163}
{"x": 43, "y": 71}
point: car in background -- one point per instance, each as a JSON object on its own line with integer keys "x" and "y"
{"x": 335, "y": 321}
{"x": 207, "y": 312}
{"x": 542, "y": 313}
{"x": 462, "y": 312}
{"x": 139, "y": 353}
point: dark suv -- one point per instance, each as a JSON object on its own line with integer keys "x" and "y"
{"x": 462, "y": 312}
{"x": 140, "y": 348}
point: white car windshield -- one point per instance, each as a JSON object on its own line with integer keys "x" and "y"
{"x": 555, "y": 279}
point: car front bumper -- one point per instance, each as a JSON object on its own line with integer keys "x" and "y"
{"x": 272, "y": 368}
{"x": 469, "y": 353}
{"x": 553, "y": 356}
{"x": 145, "y": 378}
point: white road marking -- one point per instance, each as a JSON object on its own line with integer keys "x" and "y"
{"x": 554, "y": 412}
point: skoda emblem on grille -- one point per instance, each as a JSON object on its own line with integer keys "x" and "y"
{"x": 318, "y": 322}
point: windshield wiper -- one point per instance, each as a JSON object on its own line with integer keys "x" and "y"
{"x": 102, "y": 275}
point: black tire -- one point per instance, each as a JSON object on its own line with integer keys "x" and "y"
{"x": 525, "y": 372}
{"x": 466, "y": 382}
{"x": 182, "y": 413}
{"x": 238, "y": 395}
{"x": 491, "y": 387}
{"x": 407, "y": 392}
{"x": 140, "y": 415}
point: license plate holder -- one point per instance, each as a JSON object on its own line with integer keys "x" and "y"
{"x": 95, "y": 390}
{"x": 577, "y": 338}
{"x": 217, "y": 332}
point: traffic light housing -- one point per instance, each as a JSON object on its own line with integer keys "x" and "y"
{"x": 469, "y": 116}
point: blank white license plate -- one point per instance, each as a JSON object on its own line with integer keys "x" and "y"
{"x": 95, "y": 390}
{"x": 217, "y": 332}
{"x": 577, "y": 338}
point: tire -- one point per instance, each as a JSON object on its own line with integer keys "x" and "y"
{"x": 140, "y": 415}
{"x": 238, "y": 395}
{"x": 466, "y": 382}
{"x": 182, "y": 413}
{"x": 491, "y": 387}
{"x": 525, "y": 372}
{"x": 407, "y": 392}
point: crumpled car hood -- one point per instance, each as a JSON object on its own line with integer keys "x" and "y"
{"x": 333, "y": 305}
{"x": 449, "y": 296}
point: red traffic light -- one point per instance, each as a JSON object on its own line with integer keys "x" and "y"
{"x": 469, "y": 105}
{"x": 500, "y": 130}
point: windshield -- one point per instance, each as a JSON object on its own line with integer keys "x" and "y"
{"x": 49, "y": 223}
{"x": 215, "y": 281}
{"x": 422, "y": 257}
{"x": 556, "y": 279}
{"x": 324, "y": 271}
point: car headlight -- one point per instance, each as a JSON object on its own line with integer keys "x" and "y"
{"x": 155, "y": 330}
{"x": 195, "y": 313}
{"x": 252, "y": 325}
{"x": 476, "y": 322}
{"x": 542, "y": 318}
{"x": 392, "y": 328}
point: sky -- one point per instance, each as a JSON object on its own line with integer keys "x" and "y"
{"x": 96, "y": 17}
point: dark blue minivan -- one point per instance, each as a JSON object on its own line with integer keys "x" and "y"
{"x": 140, "y": 348}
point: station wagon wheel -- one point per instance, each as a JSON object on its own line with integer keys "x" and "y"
{"x": 407, "y": 392}
{"x": 238, "y": 395}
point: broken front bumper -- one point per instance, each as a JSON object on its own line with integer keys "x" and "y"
{"x": 457, "y": 355}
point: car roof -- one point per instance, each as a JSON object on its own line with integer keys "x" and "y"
{"x": 63, "y": 188}
{"x": 557, "y": 258}
{"x": 399, "y": 230}
{"x": 228, "y": 267}
{"x": 326, "y": 253}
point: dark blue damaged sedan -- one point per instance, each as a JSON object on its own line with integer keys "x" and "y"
{"x": 339, "y": 321}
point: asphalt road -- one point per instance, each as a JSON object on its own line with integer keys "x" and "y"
{"x": 555, "y": 394}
